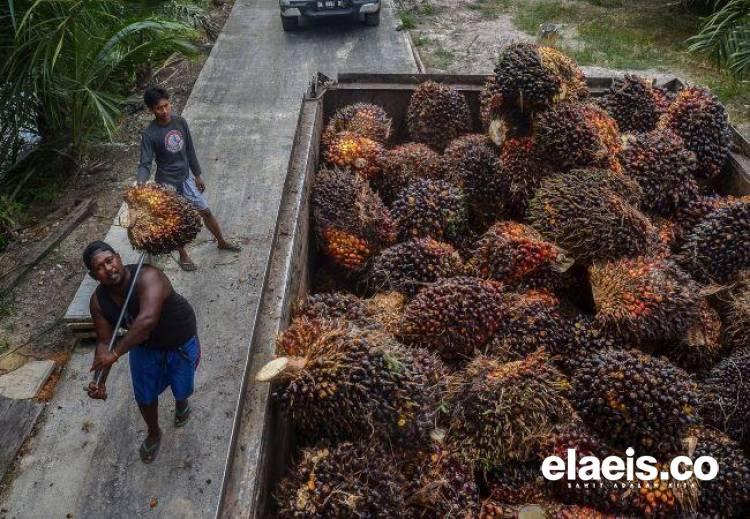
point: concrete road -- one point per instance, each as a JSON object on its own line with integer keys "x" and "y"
{"x": 243, "y": 111}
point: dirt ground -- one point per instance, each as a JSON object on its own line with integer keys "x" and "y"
{"x": 31, "y": 326}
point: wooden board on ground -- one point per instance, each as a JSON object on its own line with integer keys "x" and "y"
{"x": 14, "y": 267}
{"x": 17, "y": 418}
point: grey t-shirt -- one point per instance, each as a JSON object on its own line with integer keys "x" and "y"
{"x": 172, "y": 146}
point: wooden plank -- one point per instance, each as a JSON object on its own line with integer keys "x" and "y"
{"x": 17, "y": 418}
{"x": 17, "y": 267}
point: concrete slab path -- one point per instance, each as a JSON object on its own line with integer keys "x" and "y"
{"x": 242, "y": 111}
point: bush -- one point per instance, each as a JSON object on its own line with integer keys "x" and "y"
{"x": 725, "y": 37}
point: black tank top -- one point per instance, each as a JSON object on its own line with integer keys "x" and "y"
{"x": 176, "y": 324}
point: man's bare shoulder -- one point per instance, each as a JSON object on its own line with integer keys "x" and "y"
{"x": 152, "y": 276}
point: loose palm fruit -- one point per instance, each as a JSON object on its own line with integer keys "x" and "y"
{"x": 437, "y": 114}
{"x": 430, "y": 208}
{"x": 635, "y": 104}
{"x": 353, "y": 151}
{"x": 365, "y": 119}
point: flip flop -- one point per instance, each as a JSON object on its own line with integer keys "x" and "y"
{"x": 231, "y": 247}
{"x": 148, "y": 453}
{"x": 182, "y": 417}
{"x": 187, "y": 266}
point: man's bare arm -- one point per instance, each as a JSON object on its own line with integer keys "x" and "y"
{"x": 103, "y": 331}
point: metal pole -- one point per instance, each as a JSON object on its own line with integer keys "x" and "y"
{"x": 98, "y": 374}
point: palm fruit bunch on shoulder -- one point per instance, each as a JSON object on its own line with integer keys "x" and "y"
{"x": 441, "y": 485}
{"x": 522, "y": 165}
{"x": 355, "y": 152}
{"x": 636, "y": 104}
{"x": 342, "y": 481}
{"x": 515, "y": 484}
{"x": 693, "y": 212}
{"x": 534, "y": 78}
{"x": 500, "y": 412}
{"x": 454, "y": 317}
{"x": 519, "y": 257}
{"x": 735, "y": 309}
{"x": 699, "y": 118}
{"x": 409, "y": 266}
{"x": 532, "y": 321}
{"x": 664, "y": 169}
{"x": 437, "y": 114}
{"x": 728, "y": 494}
{"x": 634, "y": 399}
{"x": 644, "y": 299}
{"x": 578, "y": 135}
{"x": 365, "y": 119}
{"x": 430, "y": 208}
{"x": 701, "y": 345}
{"x": 725, "y": 395}
{"x": 404, "y": 164}
{"x": 337, "y": 381}
{"x": 472, "y": 162}
{"x": 160, "y": 220}
{"x": 718, "y": 247}
{"x": 350, "y": 221}
{"x": 587, "y": 213}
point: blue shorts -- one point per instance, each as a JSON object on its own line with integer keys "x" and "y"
{"x": 154, "y": 370}
{"x": 189, "y": 192}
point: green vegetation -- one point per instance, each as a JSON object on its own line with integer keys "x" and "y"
{"x": 490, "y": 8}
{"x": 67, "y": 68}
{"x": 440, "y": 58}
{"x": 725, "y": 37}
{"x": 408, "y": 20}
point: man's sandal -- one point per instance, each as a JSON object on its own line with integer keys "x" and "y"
{"x": 181, "y": 417}
{"x": 230, "y": 246}
{"x": 187, "y": 266}
{"x": 148, "y": 452}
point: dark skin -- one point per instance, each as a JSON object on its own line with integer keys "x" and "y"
{"x": 162, "y": 111}
{"x": 152, "y": 289}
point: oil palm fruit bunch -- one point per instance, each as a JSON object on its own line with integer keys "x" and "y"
{"x": 443, "y": 486}
{"x": 380, "y": 311}
{"x": 434, "y": 208}
{"x": 636, "y": 104}
{"x": 634, "y": 399}
{"x": 160, "y": 220}
{"x": 351, "y": 222}
{"x": 516, "y": 484}
{"x": 725, "y": 395}
{"x": 644, "y": 299}
{"x": 584, "y": 337}
{"x": 534, "y": 78}
{"x": 519, "y": 257}
{"x": 342, "y": 481}
{"x": 409, "y": 266}
{"x": 387, "y": 308}
{"x": 454, "y": 317}
{"x": 501, "y": 120}
{"x": 664, "y": 169}
{"x": 736, "y": 312}
{"x": 699, "y": 118}
{"x": 404, "y": 164}
{"x": 524, "y": 169}
{"x": 500, "y": 412}
{"x": 718, "y": 247}
{"x": 578, "y": 512}
{"x": 365, "y": 119}
{"x": 532, "y": 321}
{"x": 728, "y": 494}
{"x": 472, "y": 162}
{"x": 355, "y": 152}
{"x": 578, "y": 135}
{"x": 701, "y": 346}
{"x": 347, "y": 381}
{"x": 585, "y": 213}
{"x": 437, "y": 114}
{"x": 693, "y": 212}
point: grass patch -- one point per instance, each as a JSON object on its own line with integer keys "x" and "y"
{"x": 408, "y": 20}
{"x": 427, "y": 9}
{"x": 420, "y": 40}
{"x": 633, "y": 35}
{"x": 438, "y": 58}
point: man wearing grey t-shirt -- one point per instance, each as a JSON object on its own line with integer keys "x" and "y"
{"x": 167, "y": 139}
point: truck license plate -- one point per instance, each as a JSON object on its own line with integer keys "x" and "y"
{"x": 330, "y": 4}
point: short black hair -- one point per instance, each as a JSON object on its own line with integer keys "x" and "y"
{"x": 94, "y": 248}
{"x": 153, "y": 95}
